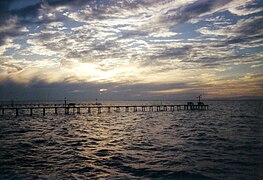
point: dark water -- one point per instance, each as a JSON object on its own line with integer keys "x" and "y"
{"x": 225, "y": 142}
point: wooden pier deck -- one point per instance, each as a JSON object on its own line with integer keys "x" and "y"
{"x": 71, "y": 108}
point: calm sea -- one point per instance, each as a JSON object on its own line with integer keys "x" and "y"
{"x": 224, "y": 142}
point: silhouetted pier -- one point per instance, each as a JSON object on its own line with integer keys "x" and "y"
{"x": 72, "y": 108}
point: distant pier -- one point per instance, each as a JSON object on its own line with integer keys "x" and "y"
{"x": 72, "y": 108}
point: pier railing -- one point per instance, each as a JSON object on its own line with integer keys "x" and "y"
{"x": 31, "y": 109}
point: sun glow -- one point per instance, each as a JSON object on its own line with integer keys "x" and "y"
{"x": 93, "y": 73}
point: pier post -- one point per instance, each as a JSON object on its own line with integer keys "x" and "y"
{"x": 44, "y": 111}
{"x": 78, "y": 110}
{"x": 31, "y": 111}
{"x": 151, "y": 108}
{"x": 99, "y": 110}
{"x": 89, "y": 111}
{"x": 127, "y": 109}
{"x": 134, "y": 109}
{"x": 117, "y": 109}
{"x": 65, "y": 101}
{"x": 143, "y": 108}
{"x": 56, "y": 110}
{"x": 108, "y": 109}
{"x": 67, "y": 110}
{"x": 16, "y": 112}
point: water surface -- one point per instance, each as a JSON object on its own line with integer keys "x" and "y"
{"x": 224, "y": 142}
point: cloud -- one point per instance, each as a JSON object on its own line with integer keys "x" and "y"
{"x": 16, "y": 15}
{"x": 173, "y": 52}
{"x": 10, "y": 29}
{"x": 249, "y": 84}
{"x": 172, "y": 12}
{"x": 8, "y": 68}
{"x": 194, "y": 11}
{"x": 244, "y": 85}
{"x": 189, "y": 11}
{"x": 244, "y": 8}
{"x": 244, "y": 33}
{"x": 249, "y": 27}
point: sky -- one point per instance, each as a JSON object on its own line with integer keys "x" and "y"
{"x": 131, "y": 49}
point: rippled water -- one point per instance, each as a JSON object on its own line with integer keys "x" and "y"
{"x": 224, "y": 142}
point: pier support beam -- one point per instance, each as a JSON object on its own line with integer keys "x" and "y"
{"x": 78, "y": 110}
{"x": 16, "y": 112}
{"x": 108, "y": 109}
{"x": 56, "y": 110}
{"x": 44, "y": 111}
{"x": 89, "y": 110}
{"x": 31, "y": 111}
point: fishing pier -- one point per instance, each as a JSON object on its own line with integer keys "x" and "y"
{"x": 72, "y": 108}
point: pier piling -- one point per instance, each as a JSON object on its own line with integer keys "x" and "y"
{"x": 127, "y": 109}
{"x": 99, "y": 110}
{"x": 134, "y": 109}
{"x": 118, "y": 109}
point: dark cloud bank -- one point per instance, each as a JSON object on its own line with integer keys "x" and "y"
{"x": 77, "y": 91}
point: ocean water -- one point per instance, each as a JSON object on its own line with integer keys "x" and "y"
{"x": 224, "y": 142}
